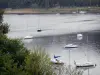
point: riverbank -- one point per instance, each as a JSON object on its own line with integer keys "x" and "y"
{"x": 53, "y": 10}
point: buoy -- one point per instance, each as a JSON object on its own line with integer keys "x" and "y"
{"x": 39, "y": 30}
{"x": 79, "y": 36}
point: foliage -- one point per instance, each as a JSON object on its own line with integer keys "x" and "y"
{"x": 15, "y": 59}
{"x": 12, "y": 52}
{"x": 12, "y": 56}
{"x": 4, "y": 27}
{"x": 38, "y": 63}
{"x": 47, "y": 3}
{"x": 8, "y": 67}
{"x": 1, "y": 14}
{"x": 14, "y": 47}
{"x": 73, "y": 71}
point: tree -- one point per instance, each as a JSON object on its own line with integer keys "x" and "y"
{"x": 8, "y": 66}
{"x": 46, "y": 3}
{"x": 4, "y": 3}
{"x": 12, "y": 52}
{"x": 4, "y": 27}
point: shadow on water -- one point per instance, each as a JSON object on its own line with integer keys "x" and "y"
{"x": 61, "y": 40}
{"x": 66, "y": 39}
{"x": 85, "y": 68}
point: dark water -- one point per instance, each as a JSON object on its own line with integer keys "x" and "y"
{"x": 61, "y": 30}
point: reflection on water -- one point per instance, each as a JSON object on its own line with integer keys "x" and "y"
{"x": 85, "y": 68}
{"x": 66, "y": 25}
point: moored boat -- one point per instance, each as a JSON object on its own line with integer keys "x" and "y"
{"x": 86, "y": 64}
{"x": 71, "y": 46}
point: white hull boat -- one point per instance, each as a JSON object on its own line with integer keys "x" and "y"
{"x": 58, "y": 14}
{"x": 82, "y": 12}
{"x": 28, "y": 37}
{"x": 87, "y": 64}
{"x": 57, "y": 62}
{"x": 71, "y": 46}
{"x": 74, "y": 12}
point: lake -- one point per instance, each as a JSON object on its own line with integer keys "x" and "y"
{"x": 59, "y": 30}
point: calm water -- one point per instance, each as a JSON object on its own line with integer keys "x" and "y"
{"x": 59, "y": 30}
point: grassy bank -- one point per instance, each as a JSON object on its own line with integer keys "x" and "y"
{"x": 53, "y": 10}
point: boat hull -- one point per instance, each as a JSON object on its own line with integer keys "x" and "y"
{"x": 71, "y": 47}
{"x": 39, "y": 30}
{"x": 85, "y": 65}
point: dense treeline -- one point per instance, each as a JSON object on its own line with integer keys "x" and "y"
{"x": 46, "y": 3}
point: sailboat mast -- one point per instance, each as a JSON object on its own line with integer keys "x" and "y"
{"x": 39, "y": 30}
{"x": 38, "y": 21}
{"x": 87, "y": 54}
{"x": 87, "y": 49}
{"x": 69, "y": 58}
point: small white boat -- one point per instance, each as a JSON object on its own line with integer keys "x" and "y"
{"x": 57, "y": 62}
{"x": 74, "y": 12}
{"x": 87, "y": 64}
{"x": 70, "y": 46}
{"x": 28, "y": 37}
{"x": 82, "y": 12}
{"x": 39, "y": 30}
{"x": 58, "y": 14}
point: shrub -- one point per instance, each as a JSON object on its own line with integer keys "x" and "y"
{"x": 1, "y": 14}
{"x": 8, "y": 67}
{"x": 4, "y": 27}
{"x": 15, "y": 48}
{"x": 73, "y": 71}
{"x": 38, "y": 63}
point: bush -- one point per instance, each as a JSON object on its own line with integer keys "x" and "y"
{"x": 15, "y": 48}
{"x": 17, "y": 60}
{"x": 38, "y": 63}
{"x": 12, "y": 56}
{"x": 4, "y": 27}
{"x": 73, "y": 71}
{"x": 8, "y": 67}
{"x": 1, "y": 14}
